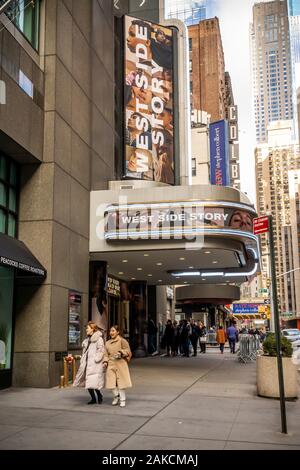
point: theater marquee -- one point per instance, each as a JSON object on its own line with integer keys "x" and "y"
{"x": 180, "y": 220}
{"x": 148, "y": 99}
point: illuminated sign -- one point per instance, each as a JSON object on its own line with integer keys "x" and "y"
{"x": 148, "y": 98}
{"x": 180, "y": 220}
{"x": 113, "y": 287}
{"x": 252, "y": 309}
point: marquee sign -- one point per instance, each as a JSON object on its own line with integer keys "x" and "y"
{"x": 180, "y": 220}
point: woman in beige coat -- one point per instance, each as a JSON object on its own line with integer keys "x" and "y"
{"x": 116, "y": 357}
{"x": 90, "y": 373}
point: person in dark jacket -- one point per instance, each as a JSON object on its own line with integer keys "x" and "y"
{"x": 184, "y": 338}
{"x": 195, "y": 333}
{"x": 168, "y": 337}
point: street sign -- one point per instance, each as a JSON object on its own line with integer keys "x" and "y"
{"x": 267, "y": 301}
{"x": 260, "y": 225}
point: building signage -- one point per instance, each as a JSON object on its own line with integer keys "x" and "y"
{"x": 251, "y": 309}
{"x": 148, "y": 98}
{"x": 261, "y": 225}
{"x": 174, "y": 220}
{"x": 219, "y": 153}
{"x": 113, "y": 287}
{"x": 170, "y": 292}
{"x": 23, "y": 266}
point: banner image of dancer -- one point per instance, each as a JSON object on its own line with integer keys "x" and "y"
{"x": 148, "y": 97}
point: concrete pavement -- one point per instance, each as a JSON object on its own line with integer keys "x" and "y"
{"x": 204, "y": 402}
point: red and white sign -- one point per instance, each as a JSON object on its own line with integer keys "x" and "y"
{"x": 260, "y": 225}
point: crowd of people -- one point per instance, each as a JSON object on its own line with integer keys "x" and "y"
{"x": 179, "y": 337}
{"x": 182, "y": 338}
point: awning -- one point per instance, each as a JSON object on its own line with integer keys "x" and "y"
{"x": 15, "y": 254}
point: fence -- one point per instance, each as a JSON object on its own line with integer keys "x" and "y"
{"x": 249, "y": 345}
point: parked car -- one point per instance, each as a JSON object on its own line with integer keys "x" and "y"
{"x": 293, "y": 335}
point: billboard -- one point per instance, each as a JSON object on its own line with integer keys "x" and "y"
{"x": 148, "y": 100}
{"x": 219, "y": 153}
{"x": 174, "y": 221}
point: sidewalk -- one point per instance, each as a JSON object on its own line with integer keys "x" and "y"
{"x": 203, "y": 402}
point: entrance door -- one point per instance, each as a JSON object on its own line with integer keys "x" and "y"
{"x": 6, "y": 325}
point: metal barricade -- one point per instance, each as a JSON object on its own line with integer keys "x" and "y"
{"x": 211, "y": 337}
{"x": 249, "y": 347}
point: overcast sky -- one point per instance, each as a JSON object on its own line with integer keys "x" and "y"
{"x": 235, "y": 17}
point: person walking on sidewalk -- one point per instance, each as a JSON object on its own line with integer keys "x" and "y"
{"x": 221, "y": 338}
{"x": 232, "y": 334}
{"x": 90, "y": 373}
{"x": 202, "y": 338}
{"x": 195, "y": 333}
{"x": 116, "y": 358}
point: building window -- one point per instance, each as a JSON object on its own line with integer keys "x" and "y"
{"x": 25, "y": 14}
{"x": 194, "y": 172}
{"x": 191, "y": 65}
{"x": 190, "y": 44}
{"x": 8, "y": 196}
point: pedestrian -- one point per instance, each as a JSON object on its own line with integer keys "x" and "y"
{"x": 90, "y": 373}
{"x": 221, "y": 338}
{"x": 116, "y": 358}
{"x": 176, "y": 338}
{"x": 152, "y": 337}
{"x": 232, "y": 335}
{"x": 195, "y": 333}
{"x": 184, "y": 338}
{"x": 168, "y": 338}
{"x": 202, "y": 337}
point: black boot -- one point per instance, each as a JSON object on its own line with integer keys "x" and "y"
{"x": 99, "y": 396}
{"x": 93, "y": 398}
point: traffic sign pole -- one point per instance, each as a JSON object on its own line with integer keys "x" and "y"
{"x": 277, "y": 329}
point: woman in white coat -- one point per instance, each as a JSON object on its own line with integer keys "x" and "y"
{"x": 90, "y": 373}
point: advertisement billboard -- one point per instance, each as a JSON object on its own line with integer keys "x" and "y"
{"x": 148, "y": 100}
{"x": 219, "y": 153}
{"x": 173, "y": 221}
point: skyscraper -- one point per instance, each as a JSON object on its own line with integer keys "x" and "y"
{"x": 294, "y": 21}
{"x": 294, "y": 7}
{"x": 271, "y": 65}
{"x": 188, "y": 11}
{"x": 273, "y": 162}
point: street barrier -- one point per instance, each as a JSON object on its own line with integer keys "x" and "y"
{"x": 249, "y": 347}
{"x": 211, "y": 338}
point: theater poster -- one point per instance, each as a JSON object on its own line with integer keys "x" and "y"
{"x": 148, "y": 98}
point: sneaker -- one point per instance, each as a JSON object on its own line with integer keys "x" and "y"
{"x": 115, "y": 400}
{"x": 92, "y": 402}
{"x": 122, "y": 404}
{"x": 155, "y": 353}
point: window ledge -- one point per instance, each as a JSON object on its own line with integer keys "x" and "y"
{"x": 33, "y": 54}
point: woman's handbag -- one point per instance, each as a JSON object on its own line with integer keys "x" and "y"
{"x": 203, "y": 339}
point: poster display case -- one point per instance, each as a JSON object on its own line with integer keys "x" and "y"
{"x": 75, "y": 305}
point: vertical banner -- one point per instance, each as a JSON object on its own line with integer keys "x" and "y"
{"x": 148, "y": 98}
{"x": 219, "y": 153}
